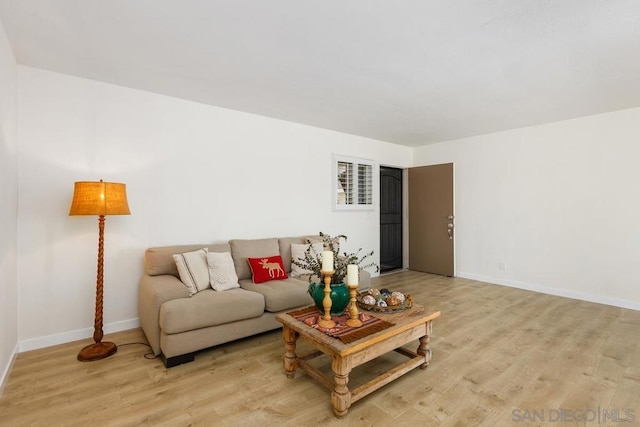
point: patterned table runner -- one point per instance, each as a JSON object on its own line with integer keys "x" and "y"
{"x": 370, "y": 324}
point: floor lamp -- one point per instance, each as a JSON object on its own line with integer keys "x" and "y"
{"x": 99, "y": 198}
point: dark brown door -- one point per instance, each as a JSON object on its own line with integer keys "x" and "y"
{"x": 431, "y": 219}
{"x": 390, "y": 218}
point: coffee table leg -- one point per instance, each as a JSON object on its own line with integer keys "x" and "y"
{"x": 341, "y": 395}
{"x": 290, "y": 358}
{"x": 423, "y": 348}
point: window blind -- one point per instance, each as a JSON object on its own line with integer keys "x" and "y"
{"x": 353, "y": 183}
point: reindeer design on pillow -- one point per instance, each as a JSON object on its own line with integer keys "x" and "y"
{"x": 274, "y": 268}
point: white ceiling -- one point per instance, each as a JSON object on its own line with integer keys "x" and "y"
{"x": 410, "y": 72}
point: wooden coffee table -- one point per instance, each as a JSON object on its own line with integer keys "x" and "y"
{"x": 409, "y": 325}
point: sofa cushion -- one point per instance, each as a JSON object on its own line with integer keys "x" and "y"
{"x": 266, "y": 269}
{"x": 209, "y": 308}
{"x": 159, "y": 260}
{"x": 242, "y": 249}
{"x": 280, "y": 294}
{"x": 193, "y": 269}
{"x": 222, "y": 273}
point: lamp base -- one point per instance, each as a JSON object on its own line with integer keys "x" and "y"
{"x": 97, "y": 351}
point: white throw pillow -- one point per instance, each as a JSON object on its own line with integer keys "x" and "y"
{"x": 193, "y": 269}
{"x": 222, "y": 271}
{"x": 297, "y": 253}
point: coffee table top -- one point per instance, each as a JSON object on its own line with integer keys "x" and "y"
{"x": 403, "y": 321}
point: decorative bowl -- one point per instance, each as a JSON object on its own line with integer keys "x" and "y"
{"x": 406, "y": 304}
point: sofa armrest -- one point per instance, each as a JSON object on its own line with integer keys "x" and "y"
{"x": 153, "y": 291}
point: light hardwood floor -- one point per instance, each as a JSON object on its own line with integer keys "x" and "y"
{"x": 501, "y": 357}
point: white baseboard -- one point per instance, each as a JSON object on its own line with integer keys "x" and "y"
{"x": 78, "y": 334}
{"x": 7, "y": 369}
{"x": 553, "y": 291}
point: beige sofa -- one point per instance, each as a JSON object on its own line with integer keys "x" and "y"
{"x": 178, "y": 325}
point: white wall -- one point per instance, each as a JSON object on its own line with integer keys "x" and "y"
{"x": 557, "y": 203}
{"x": 194, "y": 173}
{"x": 8, "y": 208}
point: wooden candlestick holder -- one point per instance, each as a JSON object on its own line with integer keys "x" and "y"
{"x": 353, "y": 321}
{"x": 326, "y": 321}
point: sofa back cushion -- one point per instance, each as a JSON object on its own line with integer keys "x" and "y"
{"x": 159, "y": 260}
{"x": 241, "y": 249}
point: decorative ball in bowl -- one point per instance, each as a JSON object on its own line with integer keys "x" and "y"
{"x": 384, "y": 300}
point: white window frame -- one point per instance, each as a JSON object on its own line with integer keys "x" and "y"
{"x": 356, "y": 205}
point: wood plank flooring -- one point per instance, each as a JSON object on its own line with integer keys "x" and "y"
{"x": 501, "y": 357}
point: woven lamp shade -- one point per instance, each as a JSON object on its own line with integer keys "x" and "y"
{"x": 99, "y": 198}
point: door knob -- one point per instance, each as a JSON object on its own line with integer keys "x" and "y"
{"x": 450, "y": 230}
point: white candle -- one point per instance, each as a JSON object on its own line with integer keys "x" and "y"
{"x": 327, "y": 261}
{"x": 352, "y": 275}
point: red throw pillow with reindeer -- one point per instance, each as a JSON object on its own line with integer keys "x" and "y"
{"x": 267, "y": 268}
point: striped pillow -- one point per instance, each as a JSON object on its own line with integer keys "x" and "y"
{"x": 193, "y": 269}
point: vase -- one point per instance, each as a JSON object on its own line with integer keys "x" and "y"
{"x": 339, "y": 297}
